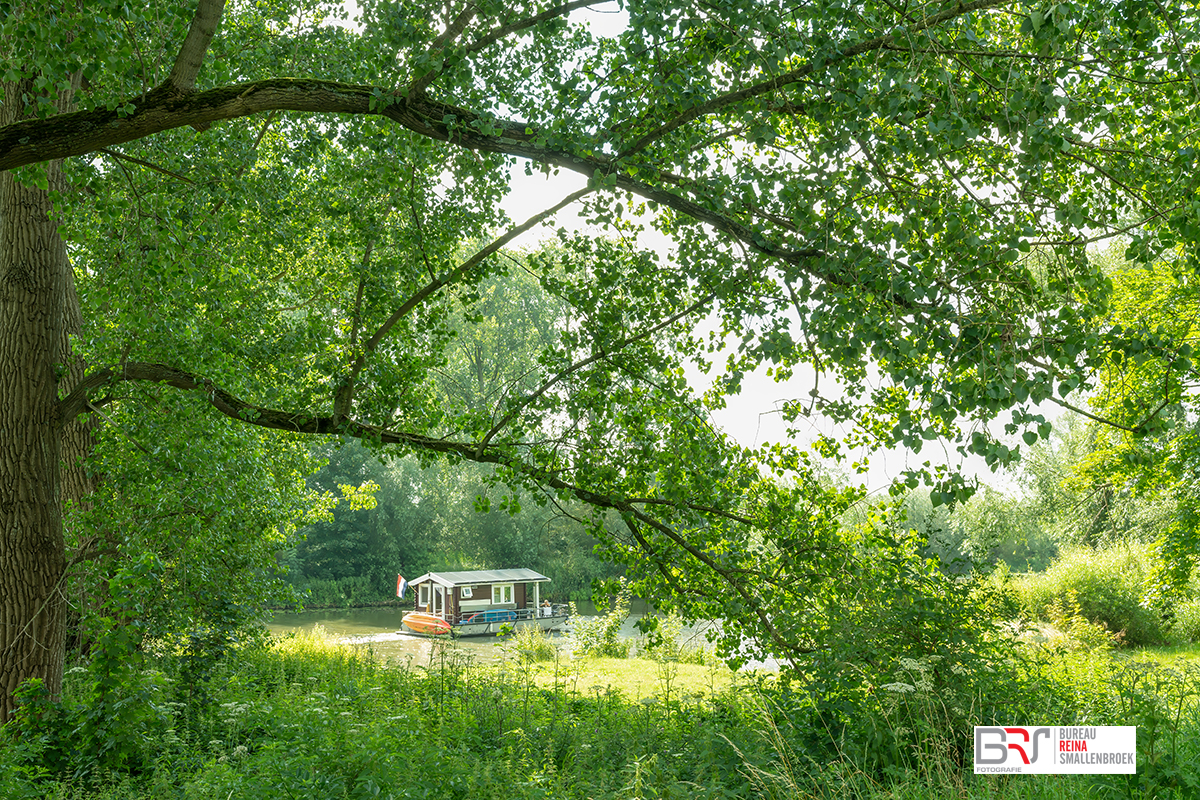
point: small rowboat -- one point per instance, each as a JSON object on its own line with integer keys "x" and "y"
{"x": 425, "y": 623}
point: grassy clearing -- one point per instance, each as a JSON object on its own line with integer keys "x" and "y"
{"x": 635, "y": 679}
{"x": 1171, "y": 656}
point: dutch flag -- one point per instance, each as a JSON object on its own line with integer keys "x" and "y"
{"x": 401, "y": 585}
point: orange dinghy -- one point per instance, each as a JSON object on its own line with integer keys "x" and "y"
{"x": 425, "y": 623}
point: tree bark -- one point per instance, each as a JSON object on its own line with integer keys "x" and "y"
{"x": 34, "y": 283}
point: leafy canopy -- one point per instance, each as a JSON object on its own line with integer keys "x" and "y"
{"x": 269, "y": 207}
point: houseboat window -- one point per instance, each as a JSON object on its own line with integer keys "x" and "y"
{"x": 502, "y": 593}
{"x": 424, "y": 598}
{"x": 466, "y": 591}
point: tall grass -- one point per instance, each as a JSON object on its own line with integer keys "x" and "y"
{"x": 307, "y": 717}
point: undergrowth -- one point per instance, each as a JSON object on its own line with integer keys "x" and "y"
{"x": 307, "y": 717}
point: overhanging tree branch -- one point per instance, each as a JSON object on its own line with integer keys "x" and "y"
{"x": 797, "y": 75}
{"x": 298, "y": 422}
{"x": 77, "y": 402}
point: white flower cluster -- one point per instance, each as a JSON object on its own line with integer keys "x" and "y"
{"x": 899, "y": 688}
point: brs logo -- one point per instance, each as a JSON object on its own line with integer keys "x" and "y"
{"x": 1003, "y": 741}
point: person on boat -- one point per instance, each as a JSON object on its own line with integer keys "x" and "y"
{"x": 546, "y": 612}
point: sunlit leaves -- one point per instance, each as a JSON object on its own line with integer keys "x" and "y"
{"x": 900, "y": 203}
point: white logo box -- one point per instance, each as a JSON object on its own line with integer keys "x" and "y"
{"x": 1060, "y": 749}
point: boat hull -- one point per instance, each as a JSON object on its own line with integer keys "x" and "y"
{"x": 477, "y": 625}
{"x": 491, "y": 627}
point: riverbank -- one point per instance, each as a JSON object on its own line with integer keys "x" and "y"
{"x": 306, "y": 717}
{"x": 380, "y": 629}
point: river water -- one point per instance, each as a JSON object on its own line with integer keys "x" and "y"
{"x": 379, "y": 628}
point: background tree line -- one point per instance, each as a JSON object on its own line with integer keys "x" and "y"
{"x": 433, "y": 517}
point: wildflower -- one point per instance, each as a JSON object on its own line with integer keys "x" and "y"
{"x": 899, "y": 688}
{"x": 958, "y": 669}
{"x": 911, "y": 664}
{"x": 241, "y": 751}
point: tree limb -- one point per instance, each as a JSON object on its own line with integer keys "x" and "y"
{"x": 578, "y": 365}
{"x": 452, "y": 32}
{"x": 432, "y": 287}
{"x": 497, "y": 34}
{"x": 191, "y": 55}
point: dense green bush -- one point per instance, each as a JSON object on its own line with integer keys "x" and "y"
{"x": 600, "y": 635}
{"x": 1185, "y": 628}
{"x": 530, "y": 643}
{"x": 1106, "y": 586}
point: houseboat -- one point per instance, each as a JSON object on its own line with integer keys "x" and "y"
{"x": 481, "y": 602}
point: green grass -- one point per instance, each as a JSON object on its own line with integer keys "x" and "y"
{"x": 1169, "y": 656}
{"x": 306, "y": 717}
{"x": 634, "y": 678}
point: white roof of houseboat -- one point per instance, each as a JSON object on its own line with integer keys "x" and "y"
{"x": 481, "y": 576}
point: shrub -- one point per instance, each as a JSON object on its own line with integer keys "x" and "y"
{"x": 1080, "y": 633}
{"x": 530, "y": 643}
{"x": 600, "y": 635}
{"x": 1104, "y": 586}
{"x": 1186, "y": 627}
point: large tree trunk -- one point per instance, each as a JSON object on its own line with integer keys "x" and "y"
{"x": 34, "y": 284}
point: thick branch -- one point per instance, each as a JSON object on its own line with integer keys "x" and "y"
{"x": 162, "y": 109}
{"x": 191, "y": 54}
